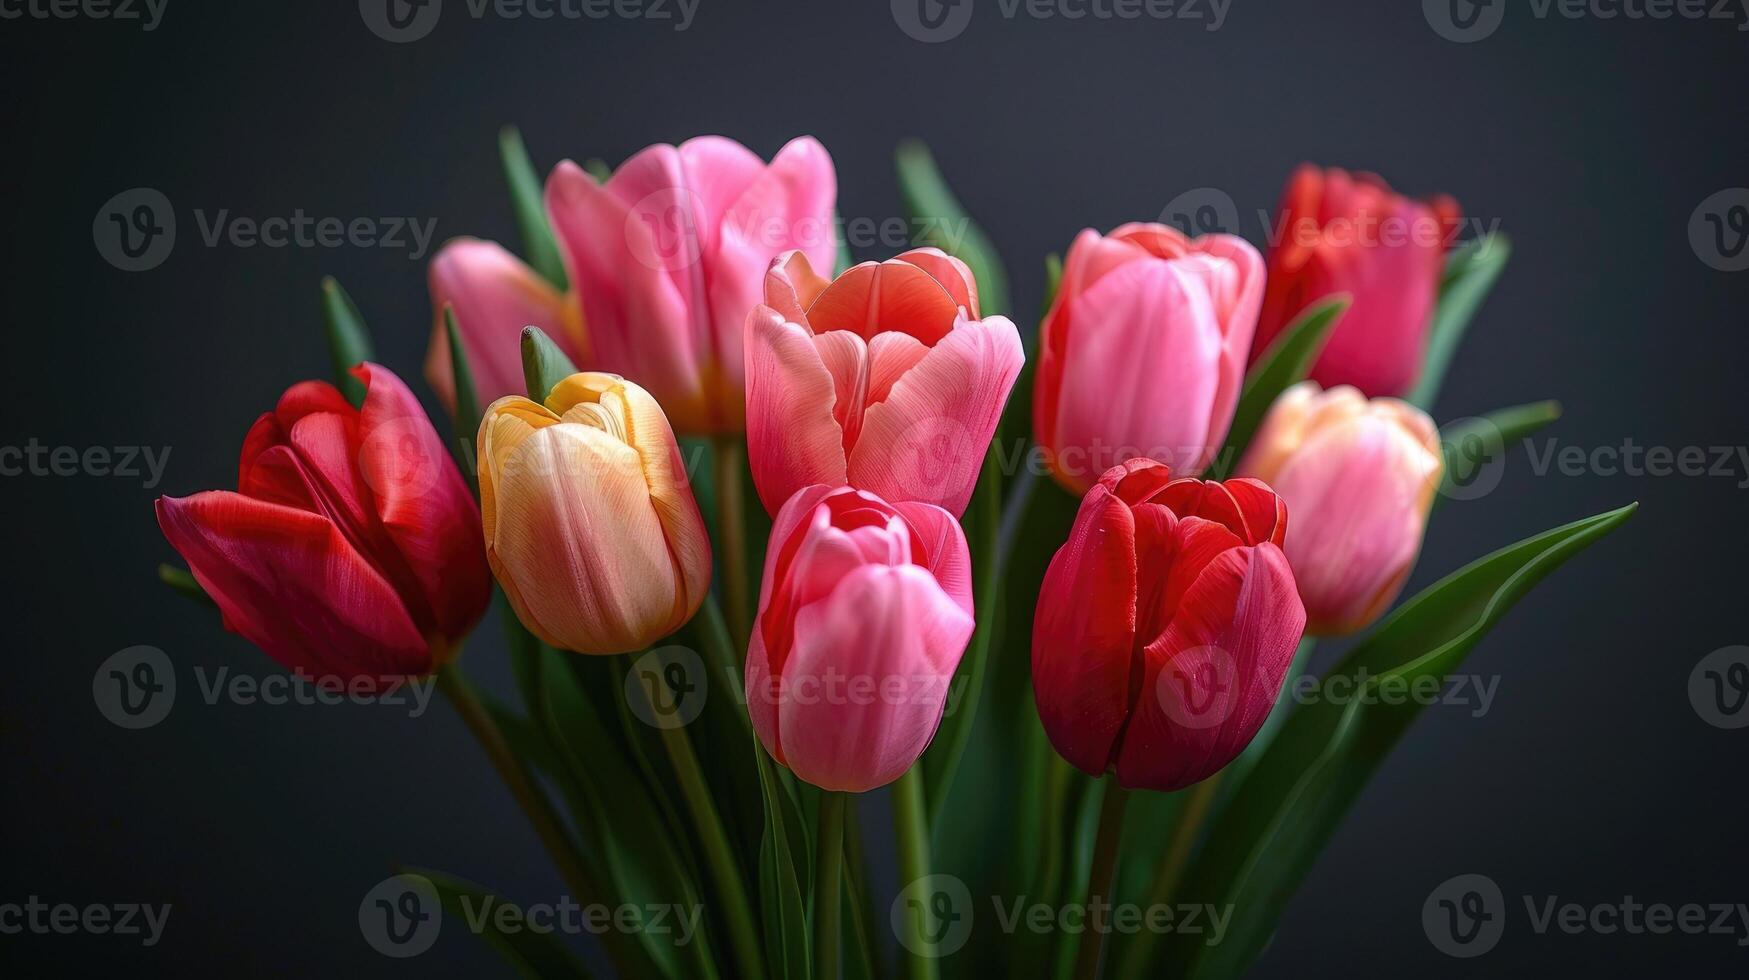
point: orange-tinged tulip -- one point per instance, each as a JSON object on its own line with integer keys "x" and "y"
{"x": 590, "y": 524}
{"x": 1359, "y": 477}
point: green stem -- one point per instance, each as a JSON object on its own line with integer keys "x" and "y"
{"x": 986, "y": 530}
{"x": 534, "y": 803}
{"x": 743, "y": 936}
{"x": 828, "y": 903}
{"x": 720, "y": 650}
{"x": 727, "y": 455}
{"x": 1099, "y": 876}
{"x": 912, "y": 829}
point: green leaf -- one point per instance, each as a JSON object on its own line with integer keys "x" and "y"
{"x": 1472, "y": 445}
{"x": 348, "y": 338}
{"x": 598, "y": 168}
{"x": 1270, "y": 835}
{"x": 845, "y": 260}
{"x": 543, "y": 363}
{"x": 1284, "y": 365}
{"x": 539, "y": 246}
{"x": 943, "y": 223}
{"x": 1470, "y": 275}
{"x": 781, "y": 880}
{"x": 530, "y": 953}
{"x": 185, "y": 585}
{"x": 465, "y": 425}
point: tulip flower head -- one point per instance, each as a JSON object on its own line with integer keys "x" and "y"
{"x": 865, "y": 610}
{"x": 590, "y": 524}
{"x": 1360, "y": 477}
{"x": 884, "y": 378}
{"x": 1349, "y": 233}
{"x": 1143, "y": 351}
{"x": 1165, "y": 626}
{"x": 351, "y": 547}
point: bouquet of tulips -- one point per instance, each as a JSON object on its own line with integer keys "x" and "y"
{"x": 770, "y": 530}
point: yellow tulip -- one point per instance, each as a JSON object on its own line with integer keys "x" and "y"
{"x": 590, "y": 523}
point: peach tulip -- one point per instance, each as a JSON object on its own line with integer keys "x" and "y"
{"x": 590, "y": 525}
{"x": 884, "y": 379}
{"x": 1359, "y": 478}
{"x": 864, "y": 612}
{"x": 1143, "y": 351}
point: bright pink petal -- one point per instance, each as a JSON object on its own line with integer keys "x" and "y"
{"x": 494, "y": 296}
{"x": 954, "y": 275}
{"x": 943, "y": 550}
{"x": 793, "y": 440}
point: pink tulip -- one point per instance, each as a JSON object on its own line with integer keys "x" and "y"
{"x": 1143, "y": 352}
{"x": 1359, "y": 478}
{"x": 884, "y": 379}
{"x": 865, "y": 610}
{"x": 494, "y": 296}
{"x": 1349, "y": 233}
{"x": 668, "y": 256}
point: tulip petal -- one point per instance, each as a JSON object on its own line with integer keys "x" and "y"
{"x": 942, "y": 549}
{"x": 927, "y": 440}
{"x": 1211, "y": 679}
{"x": 290, "y": 583}
{"x": 867, "y": 680}
{"x": 954, "y": 275}
{"x": 494, "y": 296}
{"x": 792, "y": 285}
{"x": 891, "y": 295}
{"x": 793, "y": 438}
{"x": 1083, "y": 636}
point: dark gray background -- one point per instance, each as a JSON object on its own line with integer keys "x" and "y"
{"x": 1590, "y": 141}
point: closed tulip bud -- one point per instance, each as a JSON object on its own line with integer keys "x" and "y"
{"x": 494, "y": 296}
{"x": 351, "y": 547}
{"x": 590, "y": 523}
{"x": 669, "y": 254}
{"x": 1143, "y": 352}
{"x": 1359, "y": 477}
{"x": 1165, "y": 626}
{"x": 1349, "y": 233}
{"x": 885, "y": 379}
{"x": 865, "y": 610}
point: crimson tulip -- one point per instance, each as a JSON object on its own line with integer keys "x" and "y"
{"x": 1349, "y": 233}
{"x": 864, "y": 613}
{"x": 1165, "y": 626}
{"x": 351, "y": 546}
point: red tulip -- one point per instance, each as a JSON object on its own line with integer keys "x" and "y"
{"x": 352, "y": 546}
{"x": 1165, "y": 626}
{"x": 864, "y": 613}
{"x": 884, "y": 378}
{"x": 1343, "y": 233}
